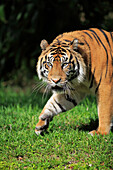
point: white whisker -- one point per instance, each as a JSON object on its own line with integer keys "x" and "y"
{"x": 36, "y": 86}
{"x": 45, "y": 92}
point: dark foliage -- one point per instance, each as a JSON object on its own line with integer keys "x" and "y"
{"x": 24, "y": 23}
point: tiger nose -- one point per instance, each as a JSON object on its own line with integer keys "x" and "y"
{"x": 56, "y": 80}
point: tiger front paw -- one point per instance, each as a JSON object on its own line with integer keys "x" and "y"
{"x": 43, "y": 123}
{"x": 41, "y": 126}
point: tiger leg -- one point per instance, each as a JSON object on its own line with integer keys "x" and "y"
{"x": 105, "y": 110}
{"x": 58, "y": 103}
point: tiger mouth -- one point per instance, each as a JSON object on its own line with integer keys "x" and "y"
{"x": 57, "y": 88}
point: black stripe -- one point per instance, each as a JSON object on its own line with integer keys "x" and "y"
{"x": 42, "y": 74}
{"x": 53, "y": 53}
{"x": 88, "y": 62}
{"x": 108, "y": 43}
{"x": 53, "y": 49}
{"x": 95, "y": 38}
{"x": 44, "y": 62}
{"x": 54, "y": 45}
{"x": 91, "y": 84}
{"x": 67, "y": 40}
{"x": 78, "y": 65}
{"x": 111, "y": 77}
{"x": 45, "y": 57}
{"x": 98, "y": 84}
{"x": 111, "y": 33}
{"x": 112, "y": 45}
{"x": 105, "y": 37}
{"x": 71, "y": 57}
{"x": 54, "y": 107}
{"x": 88, "y": 34}
{"x": 103, "y": 47}
{"x": 63, "y": 50}
{"x": 70, "y": 100}
{"x": 111, "y": 36}
{"x": 69, "y": 50}
{"x": 65, "y": 45}
{"x": 51, "y": 110}
{"x": 80, "y": 43}
{"x": 73, "y": 64}
{"x": 60, "y": 106}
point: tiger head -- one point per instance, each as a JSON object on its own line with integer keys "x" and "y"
{"x": 60, "y": 63}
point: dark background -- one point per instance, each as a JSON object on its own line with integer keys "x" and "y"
{"x": 24, "y": 23}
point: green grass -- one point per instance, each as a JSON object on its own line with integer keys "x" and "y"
{"x": 66, "y": 145}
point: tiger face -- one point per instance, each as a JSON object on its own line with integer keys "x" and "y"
{"x": 60, "y": 63}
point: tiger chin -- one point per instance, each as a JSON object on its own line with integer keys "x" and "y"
{"x": 74, "y": 65}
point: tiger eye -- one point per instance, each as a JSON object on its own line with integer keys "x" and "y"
{"x": 64, "y": 65}
{"x": 49, "y": 64}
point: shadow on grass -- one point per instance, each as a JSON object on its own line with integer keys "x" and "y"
{"x": 89, "y": 127}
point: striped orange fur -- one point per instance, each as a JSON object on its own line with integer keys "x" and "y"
{"x": 75, "y": 65}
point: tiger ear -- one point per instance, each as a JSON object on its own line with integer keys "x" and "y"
{"x": 44, "y": 44}
{"x": 74, "y": 44}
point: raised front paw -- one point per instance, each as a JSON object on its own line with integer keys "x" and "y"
{"x": 41, "y": 126}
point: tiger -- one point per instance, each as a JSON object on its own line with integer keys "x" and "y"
{"x": 77, "y": 64}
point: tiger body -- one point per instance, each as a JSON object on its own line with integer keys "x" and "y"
{"x": 75, "y": 65}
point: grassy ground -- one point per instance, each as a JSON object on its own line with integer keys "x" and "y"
{"x": 66, "y": 145}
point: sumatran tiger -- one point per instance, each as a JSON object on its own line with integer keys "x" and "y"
{"x": 75, "y": 65}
